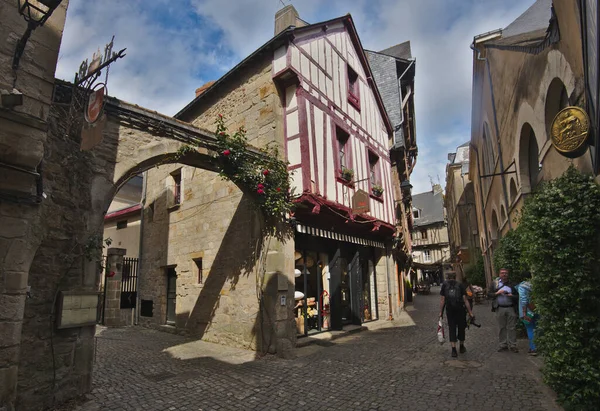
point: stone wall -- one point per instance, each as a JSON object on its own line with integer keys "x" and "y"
{"x": 22, "y": 137}
{"x": 217, "y": 224}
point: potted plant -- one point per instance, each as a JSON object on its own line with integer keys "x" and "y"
{"x": 347, "y": 174}
{"x": 377, "y": 190}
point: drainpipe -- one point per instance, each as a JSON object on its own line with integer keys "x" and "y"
{"x": 489, "y": 73}
{"x": 485, "y": 231}
{"x": 141, "y": 248}
{"x": 387, "y": 273}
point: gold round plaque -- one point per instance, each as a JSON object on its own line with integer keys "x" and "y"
{"x": 570, "y": 130}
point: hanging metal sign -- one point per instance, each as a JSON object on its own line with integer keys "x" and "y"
{"x": 569, "y": 131}
{"x": 95, "y": 105}
{"x": 360, "y": 202}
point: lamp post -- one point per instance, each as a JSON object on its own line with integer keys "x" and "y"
{"x": 35, "y": 14}
{"x": 406, "y": 189}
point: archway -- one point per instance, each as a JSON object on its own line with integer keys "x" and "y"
{"x": 529, "y": 166}
{"x": 513, "y": 190}
{"x": 556, "y": 99}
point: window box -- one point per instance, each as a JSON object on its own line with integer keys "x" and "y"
{"x": 377, "y": 190}
{"x": 347, "y": 174}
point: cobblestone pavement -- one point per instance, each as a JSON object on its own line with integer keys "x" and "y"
{"x": 392, "y": 368}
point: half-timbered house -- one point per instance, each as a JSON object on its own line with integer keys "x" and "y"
{"x": 311, "y": 91}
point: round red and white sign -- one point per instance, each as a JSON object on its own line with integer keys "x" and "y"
{"x": 94, "y": 107}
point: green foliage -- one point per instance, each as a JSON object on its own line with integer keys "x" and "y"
{"x": 560, "y": 229}
{"x": 347, "y": 173}
{"x": 475, "y": 271}
{"x": 265, "y": 176}
{"x": 508, "y": 255}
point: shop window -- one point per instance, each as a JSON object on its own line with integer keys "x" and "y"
{"x": 121, "y": 224}
{"x": 353, "y": 88}
{"x": 312, "y": 299}
{"x": 426, "y": 256}
{"x": 197, "y": 267}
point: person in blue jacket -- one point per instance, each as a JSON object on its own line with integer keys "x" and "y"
{"x": 527, "y": 310}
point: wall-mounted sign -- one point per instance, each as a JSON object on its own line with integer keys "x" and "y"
{"x": 94, "y": 106}
{"x": 569, "y": 131}
{"x": 360, "y": 202}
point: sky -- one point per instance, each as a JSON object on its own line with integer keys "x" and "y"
{"x": 175, "y": 46}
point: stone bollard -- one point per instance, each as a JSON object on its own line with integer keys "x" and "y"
{"x": 112, "y": 287}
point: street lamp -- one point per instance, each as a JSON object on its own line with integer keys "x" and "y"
{"x": 406, "y": 188}
{"x": 37, "y": 11}
{"x": 35, "y": 14}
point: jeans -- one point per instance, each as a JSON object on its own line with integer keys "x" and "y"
{"x": 507, "y": 319}
{"x": 530, "y": 330}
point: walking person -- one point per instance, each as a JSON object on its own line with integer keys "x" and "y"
{"x": 504, "y": 294}
{"x": 527, "y": 310}
{"x": 454, "y": 300}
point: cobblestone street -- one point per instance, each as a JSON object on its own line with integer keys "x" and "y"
{"x": 138, "y": 369}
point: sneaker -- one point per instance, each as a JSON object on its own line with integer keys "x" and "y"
{"x": 502, "y": 349}
{"x": 532, "y": 352}
{"x": 514, "y": 349}
{"x": 454, "y": 353}
{"x": 462, "y": 349}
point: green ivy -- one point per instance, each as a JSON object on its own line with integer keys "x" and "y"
{"x": 559, "y": 233}
{"x": 475, "y": 271}
{"x": 508, "y": 255}
{"x": 265, "y": 176}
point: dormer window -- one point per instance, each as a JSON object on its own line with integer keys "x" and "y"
{"x": 416, "y": 213}
{"x": 353, "y": 88}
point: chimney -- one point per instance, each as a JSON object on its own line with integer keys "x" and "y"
{"x": 436, "y": 188}
{"x": 202, "y": 89}
{"x": 286, "y": 17}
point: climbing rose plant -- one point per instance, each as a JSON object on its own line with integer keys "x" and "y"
{"x": 261, "y": 174}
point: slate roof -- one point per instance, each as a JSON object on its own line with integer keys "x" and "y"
{"x": 386, "y": 77}
{"x": 431, "y": 208}
{"x": 401, "y": 51}
{"x": 534, "y": 18}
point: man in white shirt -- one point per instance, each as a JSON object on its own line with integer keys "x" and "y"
{"x": 504, "y": 294}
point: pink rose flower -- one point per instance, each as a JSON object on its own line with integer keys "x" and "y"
{"x": 226, "y": 152}
{"x": 260, "y": 191}
{"x": 266, "y": 172}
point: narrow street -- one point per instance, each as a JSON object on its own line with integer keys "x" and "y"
{"x": 390, "y": 368}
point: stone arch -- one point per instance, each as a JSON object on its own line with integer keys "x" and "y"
{"x": 556, "y": 99}
{"x": 488, "y": 149}
{"x": 495, "y": 226}
{"x": 503, "y": 217}
{"x": 513, "y": 193}
{"x": 528, "y": 156}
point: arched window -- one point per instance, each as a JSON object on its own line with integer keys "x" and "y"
{"x": 513, "y": 190}
{"x": 529, "y": 166}
{"x": 556, "y": 100}
{"x": 495, "y": 231}
{"x": 488, "y": 150}
{"x": 503, "y": 214}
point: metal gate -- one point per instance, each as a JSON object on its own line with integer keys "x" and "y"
{"x": 129, "y": 282}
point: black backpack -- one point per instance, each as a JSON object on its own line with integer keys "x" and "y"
{"x": 453, "y": 295}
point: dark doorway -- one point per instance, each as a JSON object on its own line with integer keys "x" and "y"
{"x": 171, "y": 295}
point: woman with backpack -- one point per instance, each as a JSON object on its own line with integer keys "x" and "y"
{"x": 527, "y": 310}
{"x": 454, "y": 300}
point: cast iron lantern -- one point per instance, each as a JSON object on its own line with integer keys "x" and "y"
{"x": 406, "y": 188}
{"x": 35, "y": 14}
{"x": 37, "y": 11}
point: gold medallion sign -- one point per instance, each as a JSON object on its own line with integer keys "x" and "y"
{"x": 570, "y": 130}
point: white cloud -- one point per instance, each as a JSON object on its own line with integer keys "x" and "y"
{"x": 174, "y": 46}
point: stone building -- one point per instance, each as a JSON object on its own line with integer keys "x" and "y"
{"x": 310, "y": 91}
{"x": 394, "y": 72}
{"x": 523, "y": 75}
{"x": 26, "y": 82}
{"x": 459, "y": 202}
{"x": 430, "y": 246}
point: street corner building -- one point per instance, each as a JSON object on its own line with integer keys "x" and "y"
{"x": 208, "y": 271}
{"x": 535, "y": 110}
{"x": 189, "y": 253}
